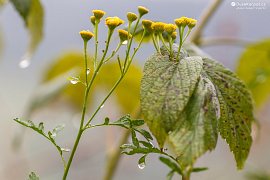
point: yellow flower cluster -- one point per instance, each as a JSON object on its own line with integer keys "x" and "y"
{"x": 158, "y": 26}
{"x": 185, "y": 21}
{"x": 86, "y": 35}
{"x": 113, "y": 22}
{"x": 124, "y": 35}
{"x": 170, "y": 28}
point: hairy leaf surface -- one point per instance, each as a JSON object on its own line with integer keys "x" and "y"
{"x": 165, "y": 91}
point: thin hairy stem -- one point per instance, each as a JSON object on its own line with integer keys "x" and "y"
{"x": 96, "y": 44}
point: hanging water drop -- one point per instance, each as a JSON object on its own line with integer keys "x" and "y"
{"x": 141, "y": 165}
{"x": 25, "y": 62}
{"x": 88, "y": 71}
{"x": 125, "y": 42}
{"x": 65, "y": 149}
{"x": 102, "y": 106}
{"x": 74, "y": 80}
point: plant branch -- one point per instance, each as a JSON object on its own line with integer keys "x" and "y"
{"x": 207, "y": 14}
{"x": 224, "y": 41}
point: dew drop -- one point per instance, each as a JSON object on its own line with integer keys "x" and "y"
{"x": 25, "y": 62}
{"x": 102, "y": 106}
{"x": 74, "y": 80}
{"x": 151, "y": 144}
{"x": 125, "y": 42}
{"x": 65, "y": 149}
{"x": 88, "y": 71}
{"x": 141, "y": 165}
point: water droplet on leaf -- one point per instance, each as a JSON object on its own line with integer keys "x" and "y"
{"x": 74, "y": 80}
{"x": 141, "y": 165}
{"x": 125, "y": 42}
{"x": 102, "y": 106}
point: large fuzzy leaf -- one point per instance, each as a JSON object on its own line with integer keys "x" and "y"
{"x": 165, "y": 91}
{"x": 191, "y": 123}
{"x": 254, "y": 69}
{"x": 235, "y": 107}
{"x": 196, "y": 130}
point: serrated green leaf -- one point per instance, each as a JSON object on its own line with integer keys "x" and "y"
{"x": 254, "y": 69}
{"x": 146, "y": 144}
{"x": 196, "y": 129}
{"x": 145, "y": 134}
{"x": 236, "y": 109}
{"x": 166, "y": 87}
{"x": 135, "y": 141}
{"x": 33, "y": 176}
{"x": 137, "y": 122}
{"x": 141, "y": 162}
{"x": 199, "y": 169}
{"x": 173, "y": 166}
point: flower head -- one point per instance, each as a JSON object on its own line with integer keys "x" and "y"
{"x": 191, "y": 22}
{"x": 147, "y": 25}
{"x": 174, "y": 35}
{"x": 113, "y": 22}
{"x": 142, "y": 10}
{"x": 93, "y": 20}
{"x": 86, "y": 35}
{"x": 170, "y": 28}
{"x": 124, "y": 35}
{"x": 98, "y": 13}
{"x": 182, "y": 21}
{"x": 131, "y": 16}
{"x": 158, "y": 26}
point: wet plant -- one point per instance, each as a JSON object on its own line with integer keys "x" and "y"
{"x": 187, "y": 98}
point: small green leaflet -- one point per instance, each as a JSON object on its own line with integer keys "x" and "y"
{"x": 190, "y": 101}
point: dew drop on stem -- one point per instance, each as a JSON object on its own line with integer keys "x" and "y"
{"x": 88, "y": 71}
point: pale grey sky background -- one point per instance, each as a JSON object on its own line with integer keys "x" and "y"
{"x": 63, "y": 20}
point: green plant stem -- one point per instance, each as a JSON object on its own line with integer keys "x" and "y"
{"x": 154, "y": 41}
{"x": 96, "y": 44}
{"x": 163, "y": 41}
{"x": 170, "y": 46}
{"x": 206, "y": 16}
{"x": 181, "y": 33}
{"x": 81, "y": 129}
{"x": 85, "y": 62}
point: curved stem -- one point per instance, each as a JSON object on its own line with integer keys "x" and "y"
{"x": 224, "y": 41}
{"x": 207, "y": 14}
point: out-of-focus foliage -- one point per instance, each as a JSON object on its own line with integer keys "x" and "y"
{"x": 258, "y": 176}
{"x": 254, "y": 69}
{"x": 127, "y": 93}
{"x": 2, "y": 2}
{"x": 32, "y": 13}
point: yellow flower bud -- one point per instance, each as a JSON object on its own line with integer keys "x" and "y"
{"x": 147, "y": 25}
{"x": 191, "y": 22}
{"x": 124, "y": 35}
{"x": 131, "y": 16}
{"x": 86, "y": 35}
{"x": 174, "y": 35}
{"x": 170, "y": 28}
{"x": 98, "y": 14}
{"x": 182, "y": 21}
{"x": 158, "y": 26}
{"x": 142, "y": 10}
{"x": 93, "y": 20}
{"x": 113, "y": 22}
